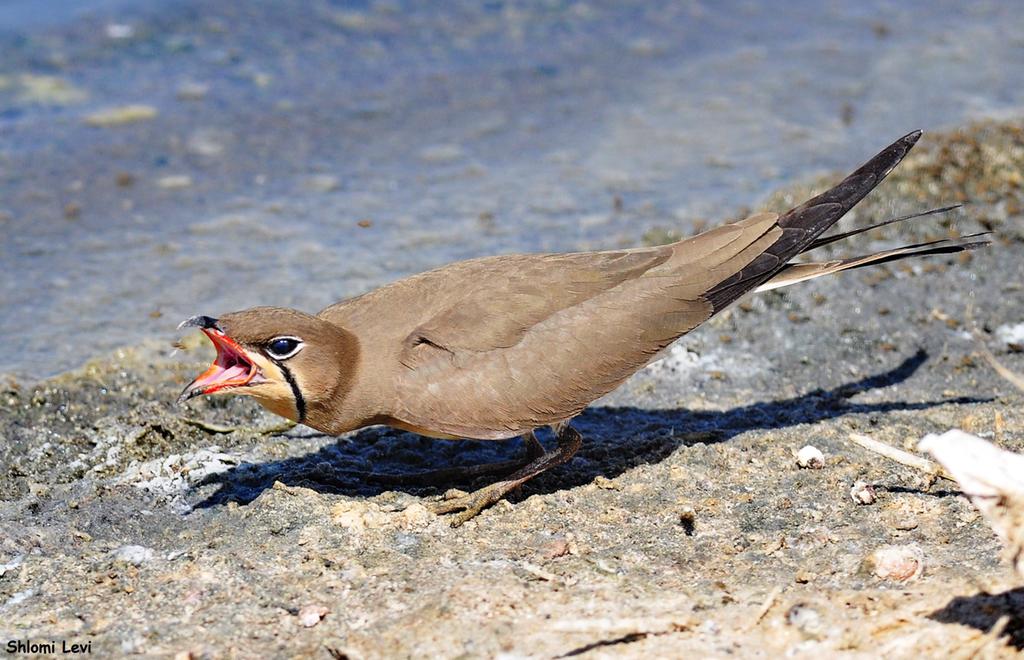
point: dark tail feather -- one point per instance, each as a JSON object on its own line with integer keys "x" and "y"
{"x": 803, "y": 224}
{"x": 825, "y": 240}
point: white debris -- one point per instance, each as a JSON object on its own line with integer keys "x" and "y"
{"x": 173, "y": 475}
{"x": 174, "y": 181}
{"x": 1011, "y": 335}
{"x": 992, "y": 478}
{"x": 810, "y": 457}
{"x": 119, "y": 31}
{"x": 678, "y": 361}
{"x": 19, "y": 597}
{"x": 134, "y": 554}
{"x": 11, "y": 565}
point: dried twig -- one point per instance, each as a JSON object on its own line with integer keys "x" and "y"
{"x": 767, "y": 605}
{"x": 900, "y": 456}
{"x": 212, "y": 427}
{"x": 1012, "y": 377}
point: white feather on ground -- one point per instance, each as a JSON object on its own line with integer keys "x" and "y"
{"x": 992, "y": 478}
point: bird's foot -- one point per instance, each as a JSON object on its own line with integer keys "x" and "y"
{"x": 469, "y": 505}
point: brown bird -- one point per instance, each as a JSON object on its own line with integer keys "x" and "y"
{"x": 496, "y": 347}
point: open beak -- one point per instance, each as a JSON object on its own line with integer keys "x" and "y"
{"x": 231, "y": 368}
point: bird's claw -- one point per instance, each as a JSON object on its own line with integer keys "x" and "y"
{"x": 467, "y": 506}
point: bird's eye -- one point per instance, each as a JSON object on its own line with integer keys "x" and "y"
{"x": 283, "y": 347}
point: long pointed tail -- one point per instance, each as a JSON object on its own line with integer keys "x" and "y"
{"x": 803, "y": 224}
{"x": 801, "y": 272}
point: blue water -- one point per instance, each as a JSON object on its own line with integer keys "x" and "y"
{"x": 452, "y": 129}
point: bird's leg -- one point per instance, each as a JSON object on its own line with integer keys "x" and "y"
{"x": 569, "y": 441}
{"x": 534, "y": 450}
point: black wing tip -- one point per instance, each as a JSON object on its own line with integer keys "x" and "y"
{"x": 890, "y": 157}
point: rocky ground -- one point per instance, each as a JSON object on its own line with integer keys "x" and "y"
{"x": 685, "y": 525}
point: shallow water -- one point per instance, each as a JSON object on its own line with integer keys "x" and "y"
{"x": 449, "y": 132}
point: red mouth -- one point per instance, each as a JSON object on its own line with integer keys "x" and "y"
{"x": 231, "y": 368}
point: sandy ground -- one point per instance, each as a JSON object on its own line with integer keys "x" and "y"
{"x": 684, "y": 526}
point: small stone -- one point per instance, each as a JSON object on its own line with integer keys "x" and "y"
{"x": 310, "y": 615}
{"x": 417, "y": 515}
{"x": 898, "y": 563}
{"x": 72, "y": 210}
{"x": 810, "y": 457}
{"x": 807, "y": 620}
{"x": 119, "y": 116}
{"x": 862, "y": 493}
{"x": 554, "y": 548}
{"x": 125, "y": 179}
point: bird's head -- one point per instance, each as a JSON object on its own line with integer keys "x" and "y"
{"x": 287, "y": 360}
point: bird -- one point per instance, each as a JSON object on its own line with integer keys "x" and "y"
{"x": 498, "y": 347}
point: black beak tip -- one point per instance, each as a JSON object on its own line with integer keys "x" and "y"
{"x": 203, "y": 322}
{"x": 187, "y": 394}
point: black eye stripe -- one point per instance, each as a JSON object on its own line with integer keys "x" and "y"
{"x": 300, "y": 401}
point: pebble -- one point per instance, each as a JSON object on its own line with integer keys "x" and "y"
{"x": 310, "y": 615}
{"x": 863, "y": 493}
{"x": 898, "y": 563}
{"x": 810, "y": 457}
{"x": 807, "y": 620}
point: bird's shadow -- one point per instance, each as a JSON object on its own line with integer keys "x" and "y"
{"x": 983, "y": 610}
{"x": 616, "y": 439}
